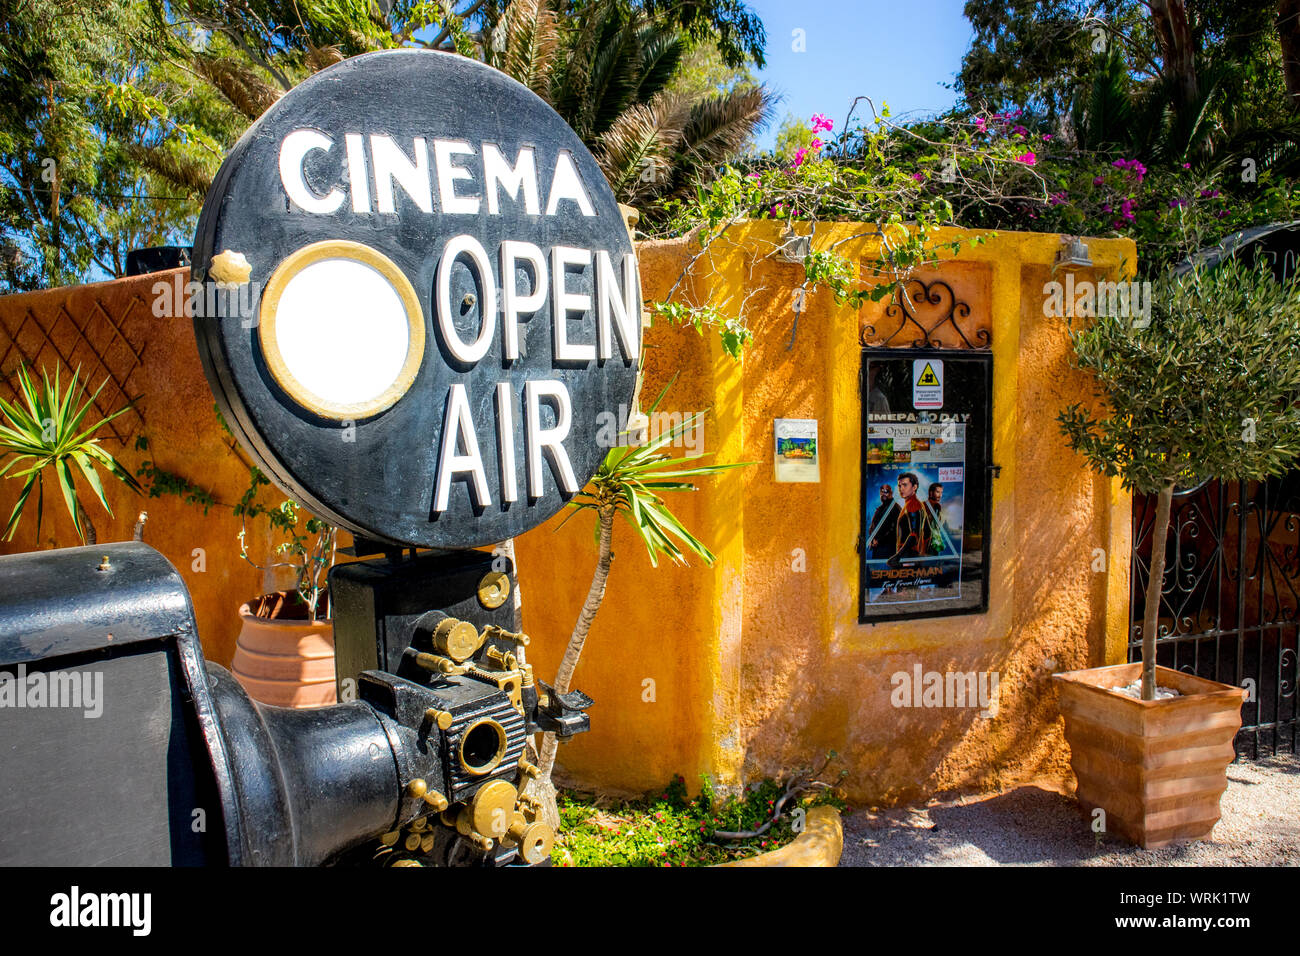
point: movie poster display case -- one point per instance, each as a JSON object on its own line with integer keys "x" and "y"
{"x": 927, "y": 475}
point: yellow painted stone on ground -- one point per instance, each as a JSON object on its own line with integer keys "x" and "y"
{"x": 820, "y": 844}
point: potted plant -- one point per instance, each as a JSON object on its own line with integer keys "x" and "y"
{"x": 284, "y": 654}
{"x": 1207, "y": 388}
{"x": 47, "y": 432}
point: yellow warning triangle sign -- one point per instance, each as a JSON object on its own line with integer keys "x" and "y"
{"x": 927, "y": 376}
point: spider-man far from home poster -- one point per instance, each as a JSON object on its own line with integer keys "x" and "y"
{"x": 916, "y": 477}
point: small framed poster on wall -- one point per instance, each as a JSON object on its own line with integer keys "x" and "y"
{"x": 795, "y": 454}
{"x": 926, "y": 488}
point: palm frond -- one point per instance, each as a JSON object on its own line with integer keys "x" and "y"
{"x": 573, "y": 71}
{"x": 612, "y": 78}
{"x": 661, "y": 55}
{"x": 320, "y": 57}
{"x": 167, "y": 162}
{"x": 717, "y": 130}
{"x": 636, "y": 152}
{"x": 245, "y": 89}
{"x": 1103, "y": 109}
{"x": 531, "y": 45}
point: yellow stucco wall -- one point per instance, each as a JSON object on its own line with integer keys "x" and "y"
{"x": 758, "y": 667}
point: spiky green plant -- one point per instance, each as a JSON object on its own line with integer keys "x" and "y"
{"x": 630, "y": 482}
{"x": 43, "y": 433}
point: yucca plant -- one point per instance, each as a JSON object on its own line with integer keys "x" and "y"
{"x": 44, "y": 432}
{"x": 630, "y": 482}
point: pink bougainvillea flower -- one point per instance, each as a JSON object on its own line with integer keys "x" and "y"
{"x": 1131, "y": 165}
{"x": 1027, "y": 158}
{"x": 821, "y": 123}
{"x": 1209, "y": 193}
{"x": 1059, "y": 199}
{"x": 1187, "y": 165}
{"x": 1047, "y": 137}
{"x": 1020, "y": 131}
{"x": 980, "y": 123}
{"x": 1176, "y": 203}
{"x": 816, "y": 143}
{"x": 799, "y": 155}
{"x": 1105, "y": 207}
{"x": 1097, "y": 181}
{"x": 919, "y": 177}
{"x": 1126, "y": 209}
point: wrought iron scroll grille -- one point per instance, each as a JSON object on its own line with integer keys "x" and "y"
{"x": 1230, "y": 597}
{"x": 923, "y": 310}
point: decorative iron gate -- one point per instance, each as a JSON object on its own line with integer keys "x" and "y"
{"x": 1230, "y": 600}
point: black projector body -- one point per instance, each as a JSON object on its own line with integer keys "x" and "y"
{"x": 107, "y": 705}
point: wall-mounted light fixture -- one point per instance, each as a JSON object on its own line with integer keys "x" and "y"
{"x": 794, "y": 247}
{"x": 1073, "y": 252}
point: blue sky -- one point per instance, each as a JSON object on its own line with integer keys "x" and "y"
{"x": 898, "y": 51}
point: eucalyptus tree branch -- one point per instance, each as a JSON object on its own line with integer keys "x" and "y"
{"x": 445, "y": 32}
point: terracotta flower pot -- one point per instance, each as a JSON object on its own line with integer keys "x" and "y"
{"x": 286, "y": 662}
{"x": 1156, "y": 767}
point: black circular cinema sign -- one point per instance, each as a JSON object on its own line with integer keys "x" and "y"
{"x": 420, "y": 297}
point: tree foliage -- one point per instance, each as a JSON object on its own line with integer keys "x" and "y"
{"x": 119, "y": 112}
{"x": 611, "y": 72}
{"x": 98, "y": 154}
{"x": 1207, "y": 390}
{"x": 1203, "y": 81}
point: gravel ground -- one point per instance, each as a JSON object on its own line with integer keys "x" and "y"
{"x": 1035, "y": 827}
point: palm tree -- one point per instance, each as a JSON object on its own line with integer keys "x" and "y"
{"x": 629, "y": 483}
{"x": 609, "y": 73}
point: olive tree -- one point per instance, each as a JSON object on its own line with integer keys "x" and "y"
{"x": 1206, "y": 389}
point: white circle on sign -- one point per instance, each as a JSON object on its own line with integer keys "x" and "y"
{"x": 341, "y": 329}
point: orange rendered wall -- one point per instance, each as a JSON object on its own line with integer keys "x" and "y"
{"x": 94, "y": 327}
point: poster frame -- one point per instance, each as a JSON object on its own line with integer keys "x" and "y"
{"x": 984, "y": 360}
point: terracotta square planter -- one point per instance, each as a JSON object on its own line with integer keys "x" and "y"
{"x": 1158, "y": 767}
